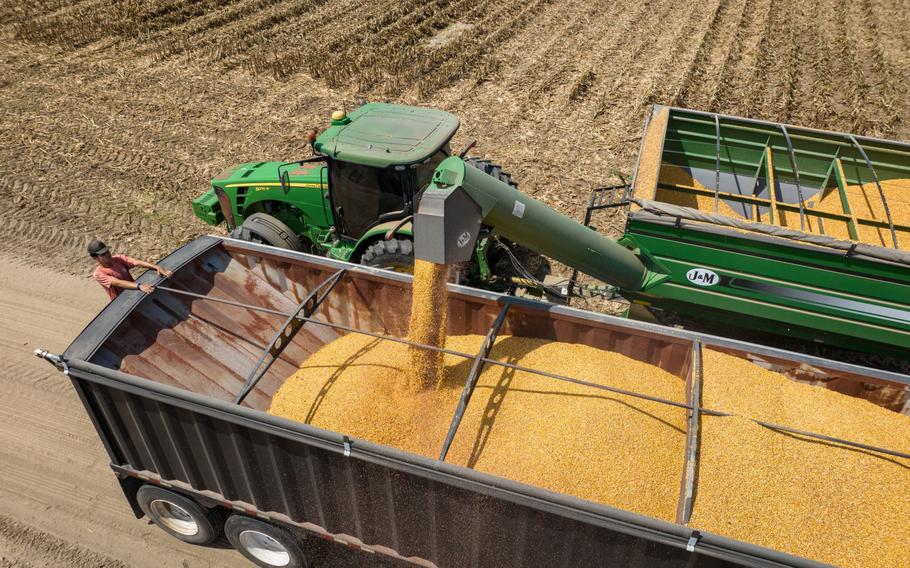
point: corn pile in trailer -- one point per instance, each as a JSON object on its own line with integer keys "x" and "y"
{"x": 812, "y": 498}
{"x": 864, "y": 202}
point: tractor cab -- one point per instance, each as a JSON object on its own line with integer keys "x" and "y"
{"x": 379, "y": 158}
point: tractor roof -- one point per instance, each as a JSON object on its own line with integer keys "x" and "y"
{"x": 382, "y": 134}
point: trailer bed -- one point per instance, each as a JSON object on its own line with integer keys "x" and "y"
{"x": 159, "y": 376}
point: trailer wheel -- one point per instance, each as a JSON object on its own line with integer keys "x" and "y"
{"x": 264, "y": 544}
{"x": 179, "y": 516}
{"x": 265, "y": 229}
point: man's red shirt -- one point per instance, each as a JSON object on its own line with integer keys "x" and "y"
{"x": 119, "y": 270}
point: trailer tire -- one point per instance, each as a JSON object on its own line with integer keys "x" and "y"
{"x": 179, "y": 516}
{"x": 393, "y": 254}
{"x": 265, "y": 229}
{"x": 264, "y": 544}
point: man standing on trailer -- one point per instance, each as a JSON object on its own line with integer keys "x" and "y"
{"x": 113, "y": 271}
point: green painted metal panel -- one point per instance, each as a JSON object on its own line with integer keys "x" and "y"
{"x": 782, "y": 286}
{"x": 691, "y": 141}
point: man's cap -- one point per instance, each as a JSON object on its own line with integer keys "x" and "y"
{"x": 97, "y": 248}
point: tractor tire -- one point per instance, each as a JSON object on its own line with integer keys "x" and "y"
{"x": 265, "y": 229}
{"x": 393, "y": 254}
{"x": 180, "y": 516}
{"x": 491, "y": 169}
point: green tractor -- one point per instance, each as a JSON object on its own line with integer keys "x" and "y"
{"x": 355, "y": 198}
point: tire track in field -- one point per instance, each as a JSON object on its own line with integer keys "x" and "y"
{"x": 883, "y": 98}
{"x": 772, "y": 82}
{"x": 742, "y": 62}
{"x": 187, "y": 36}
{"x": 286, "y": 52}
{"x": 473, "y": 56}
{"x": 856, "y": 84}
{"x": 656, "y": 73}
{"x": 702, "y": 76}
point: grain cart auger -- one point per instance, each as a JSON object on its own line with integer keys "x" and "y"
{"x": 462, "y": 199}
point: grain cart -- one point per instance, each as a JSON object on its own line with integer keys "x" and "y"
{"x": 791, "y": 231}
{"x": 177, "y": 382}
{"x": 355, "y": 198}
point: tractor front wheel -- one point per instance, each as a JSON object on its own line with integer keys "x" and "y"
{"x": 265, "y": 229}
{"x": 393, "y": 254}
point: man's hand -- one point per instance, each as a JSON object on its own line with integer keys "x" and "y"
{"x": 163, "y": 271}
{"x": 146, "y": 288}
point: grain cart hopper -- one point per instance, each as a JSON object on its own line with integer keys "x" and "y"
{"x": 787, "y": 230}
{"x": 177, "y": 384}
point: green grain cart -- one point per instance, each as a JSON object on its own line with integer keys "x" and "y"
{"x": 754, "y": 225}
{"x": 792, "y": 231}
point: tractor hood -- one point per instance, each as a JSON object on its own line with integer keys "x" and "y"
{"x": 382, "y": 135}
{"x": 265, "y": 174}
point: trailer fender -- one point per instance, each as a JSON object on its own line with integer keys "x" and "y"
{"x": 129, "y": 486}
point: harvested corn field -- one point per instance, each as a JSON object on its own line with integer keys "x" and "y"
{"x": 753, "y": 484}
{"x": 141, "y": 104}
{"x": 518, "y": 425}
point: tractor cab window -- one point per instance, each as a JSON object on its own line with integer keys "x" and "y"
{"x": 361, "y": 194}
{"x": 425, "y": 170}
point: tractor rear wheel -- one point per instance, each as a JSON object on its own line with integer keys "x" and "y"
{"x": 393, "y": 254}
{"x": 265, "y": 229}
{"x": 491, "y": 169}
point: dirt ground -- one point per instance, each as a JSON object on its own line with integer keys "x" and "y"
{"x": 115, "y": 114}
{"x": 60, "y": 503}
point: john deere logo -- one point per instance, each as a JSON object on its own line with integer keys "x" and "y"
{"x": 702, "y": 277}
{"x": 463, "y": 239}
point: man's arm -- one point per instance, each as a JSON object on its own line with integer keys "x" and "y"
{"x": 131, "y": 285}
{"x": 107, "y": 281}
{"x": 160, "y": 270}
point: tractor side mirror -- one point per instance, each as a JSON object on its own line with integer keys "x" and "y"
{"x": 285, "y": 178}
{"x": 311, "y": 140}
